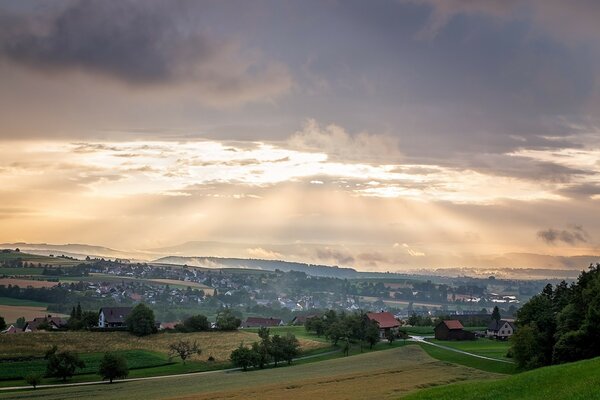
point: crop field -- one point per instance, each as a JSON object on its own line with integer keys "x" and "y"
{"x": 9, "y": 301}
{"x": 11, "y": 313}
{"x": 298, "y": 331}
{"x": 136, "y": 359}
{"x": 216, "y": 344}
{"x": 377, "y": 375}
{"x": 23, "y": 283}
{"x": 483, "y": 347}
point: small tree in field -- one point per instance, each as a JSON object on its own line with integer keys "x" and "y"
{"x": 33, "y": 379}
{"x": 244, "y": 357}
{"x": 62, "y": 364}
{"x": 390, "y": 336}
{"x": 184, "y": 349}
{"x": 113, "y": 366}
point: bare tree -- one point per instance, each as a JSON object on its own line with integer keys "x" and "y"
{"x": 184, "y": 349}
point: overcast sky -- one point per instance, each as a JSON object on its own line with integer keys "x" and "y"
{"x": 381, "y": 135}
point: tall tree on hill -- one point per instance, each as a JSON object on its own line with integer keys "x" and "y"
{"x": 140, "y": 320}
{"x": 496, "y": 314}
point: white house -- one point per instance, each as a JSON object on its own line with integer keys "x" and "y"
{"x": 502, "y": 329}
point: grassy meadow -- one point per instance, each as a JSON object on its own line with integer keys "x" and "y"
{"x": 382, "y": 375}
{"x": 573, "y": 381}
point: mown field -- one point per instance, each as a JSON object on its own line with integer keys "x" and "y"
{"x": 574, "y": 381}
{"x": 35, "y": 258}
{"x": 483, "y": 347}
{"x": 376, "y": 375}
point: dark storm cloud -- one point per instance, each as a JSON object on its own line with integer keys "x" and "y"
{"x": 339, "y": 256}
{"x": 573, "y": 235}
{"x": 137, "y": 42}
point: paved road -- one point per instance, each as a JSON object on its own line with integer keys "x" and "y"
{"x": 151, "y": 377}
{"x": 421, "y": 339}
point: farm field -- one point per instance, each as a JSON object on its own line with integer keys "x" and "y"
{"x": 573, "y": 381}
{"x": 11, "y": 313}
{"x": 9, "y": 301}
{"x": 483, "y": 347}
{"x": 114, "y": 278}
{"x": 298, "y": 331}
{"x": 383, "y": 375}
{"x": 27, "y": 282}
{"x": 216, "y": 344}
{"x": 35, "y": 258}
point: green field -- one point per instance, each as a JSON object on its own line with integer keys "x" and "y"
{"x": 34, "y": 258}
{"x": 383, "y": 374}
{"x": 8, "y": 301}
{"x": 574, "y": 381}
{"x": 136, "y": 359}
{"x": 469, "y": 361}
{"x": 483, "y": 347}
{"x": 20, "y": 271}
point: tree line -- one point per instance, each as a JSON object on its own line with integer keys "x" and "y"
{"x": 270, "y": 349}
{"x": 560, "y": 324}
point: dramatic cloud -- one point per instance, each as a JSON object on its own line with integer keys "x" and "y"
{"x": 571, "y": 236}
{"x": 153, "y": 43}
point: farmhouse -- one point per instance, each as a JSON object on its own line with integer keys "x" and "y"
{"x": 502, "y": 329}
{"x": 258, "y": 322}
{"x": 48, "y": 322}
{"x": 452, "y": 330}
{"x": 113, "y": 317}
{"x": 301, "y": 319}
{"x": 12, "y": 329}
{"x": 386, "y": 322}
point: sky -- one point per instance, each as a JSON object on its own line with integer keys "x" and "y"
{"x": 379, "y": 135}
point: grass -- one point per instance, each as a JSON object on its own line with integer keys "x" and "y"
{"x": 23, "y": 283}
{"x": 483, "y": 347}
{"x": 136, "y": 359}
{"x": 574, "y": 381}
{"x": 453, "y": 357}
{"x": 384, "y": 374}
{"x": 35, "y": 258}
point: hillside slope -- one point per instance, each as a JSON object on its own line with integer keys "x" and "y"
{"x": 574, "y": 381}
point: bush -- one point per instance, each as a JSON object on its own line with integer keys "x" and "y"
{"x": 33, "y": 379}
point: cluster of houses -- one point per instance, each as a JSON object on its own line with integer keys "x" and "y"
{"x": 115, "y": 317}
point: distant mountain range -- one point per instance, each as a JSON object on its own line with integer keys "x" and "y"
{"x": 270, "y": 257}
{"x": 267, "y": 265}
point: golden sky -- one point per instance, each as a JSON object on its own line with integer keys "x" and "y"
{"x": 397, "y": 135}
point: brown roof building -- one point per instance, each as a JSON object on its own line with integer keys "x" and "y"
{"x": 452, "y": 330}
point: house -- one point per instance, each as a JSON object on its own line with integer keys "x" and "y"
{"x": 12, "y": 329}
{"x": 113, "y": 317}
{"x": 386, "y": 322}
{"x": 452, "y": 330}
{"x": 501, "y": 329}
{"x": 301, "y": 319}
{"x": 258, "y": 322}
{"x": 48, "y": 322}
